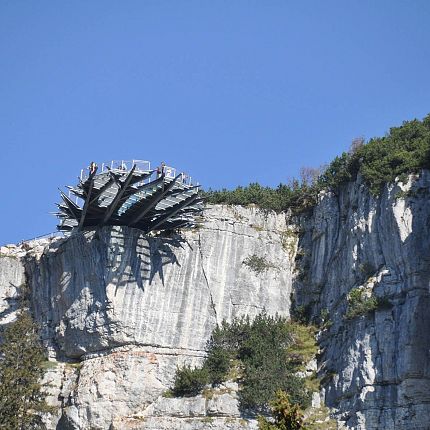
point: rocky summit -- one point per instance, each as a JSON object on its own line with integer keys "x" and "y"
{"x": 119, "y": 310}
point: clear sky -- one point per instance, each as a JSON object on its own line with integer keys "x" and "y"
{"x": 231, "y": 91}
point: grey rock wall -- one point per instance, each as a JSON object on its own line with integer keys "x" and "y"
{"x": 376, "y": 366}
{"x": 12, "y": 277}
{"x": 132, "y": 308}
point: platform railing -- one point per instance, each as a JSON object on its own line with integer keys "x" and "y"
{"x": 141, "y": 166}
{"x": 171, "y": 172}
{"x": 43, "y": 236}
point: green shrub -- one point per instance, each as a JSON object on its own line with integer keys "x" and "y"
{"x": 257, "y": 264}
{"x": 230, "y": 336}
{"x": 268, "y": 351}
{"x": 361, "y": 304}
{"x": 286, "y": 415}
{"x": 217, "y": 365}
{"x": 298, "y": 197}
{"x": 324, "y": 316}
{"x": 265, "y": 353}
{"x": 301, "y": 313}
{"x": 189, "y": 382}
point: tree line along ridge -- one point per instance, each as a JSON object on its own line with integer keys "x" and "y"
{"x": 404, "y": 150}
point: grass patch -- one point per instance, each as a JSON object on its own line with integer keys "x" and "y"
{"x": 288, "y": 241}
{"x": 207, "y": 420}
{"x": 312, "y": 383}
{"x": 327, "y": 378}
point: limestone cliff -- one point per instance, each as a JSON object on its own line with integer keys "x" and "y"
{"x": 377, "y": 365}
{"x": 128, "y": 309}
{"x": 119, "y": 311}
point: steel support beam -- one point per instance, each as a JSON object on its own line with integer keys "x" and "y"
{"x": 87, "y": 201}
{"x": 74, "y": 209}
{"x": 152, "y": 202}
{"x": 160, "y": 220}
{"x": 114, "y": 205}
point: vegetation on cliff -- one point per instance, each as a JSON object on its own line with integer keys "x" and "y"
{"x": 262, "y": 355}
{"x": 404, "y": 150}
{"x": 21, "y": 368}
{"x": 286, "y": 416}
{"x": 22, "y": 400}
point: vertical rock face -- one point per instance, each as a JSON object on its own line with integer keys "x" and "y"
{"x": 132, "y": 308}
{"x": 12, "y": 277}
{"x": 377, "y": 363}
{"x": 120, "y": 311}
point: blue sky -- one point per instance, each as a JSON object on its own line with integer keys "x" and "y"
{"x": 231, "y": 91}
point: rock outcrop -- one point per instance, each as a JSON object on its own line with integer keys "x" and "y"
{"x": 120, "y": 311}
{"x": 376, "y": 366}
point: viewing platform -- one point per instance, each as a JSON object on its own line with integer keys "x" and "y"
{"x": 131, "y": 193}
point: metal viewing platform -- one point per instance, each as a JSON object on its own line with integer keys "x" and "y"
{"x": 129, "y": 192}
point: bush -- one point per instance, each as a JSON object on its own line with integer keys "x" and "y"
{"x": 217, "y": 365}
{"x": 265, "y": 355}
{"x": 404, "y": 150}
{"x": 265, "y": 350}
{"x": 189, "y": 382}
{"x": 257, "y": 264}
{"x": 295, "y": 196}
{"x": 230, "y": 336}
{"x": 302, "y": 313}
{"x": 360, "y": 304}
{"x": 286, "y": 415}
{"x": 367, "y": 269}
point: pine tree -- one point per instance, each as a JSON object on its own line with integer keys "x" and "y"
{"x": 21, "y": 359}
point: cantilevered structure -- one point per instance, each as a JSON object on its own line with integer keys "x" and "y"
{"x": 130, "y": 193}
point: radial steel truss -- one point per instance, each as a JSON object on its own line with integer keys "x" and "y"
{"x": 130, "y": 194}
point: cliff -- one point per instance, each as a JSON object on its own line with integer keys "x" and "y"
{"x": 120, "y": 311}
{"x": 376, "y": 365}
